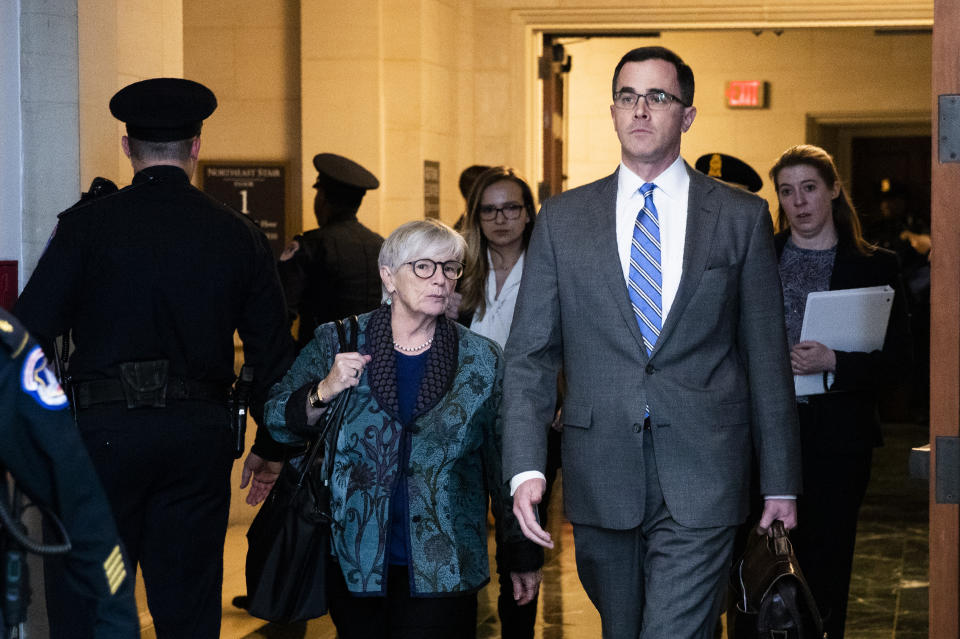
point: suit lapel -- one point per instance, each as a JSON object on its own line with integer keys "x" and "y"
{"x": 702, "y": 214}
{"x": 604, "y": 211}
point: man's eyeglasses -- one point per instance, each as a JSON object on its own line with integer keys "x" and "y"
{"x": 424, "y": 269}
{"x": 488, "y": 212}
{"x": 656, "y": 100}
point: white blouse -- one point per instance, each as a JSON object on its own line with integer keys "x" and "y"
{"x": 495, "y": 323}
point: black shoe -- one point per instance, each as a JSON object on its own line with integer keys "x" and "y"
{"x": 241, "y": 601}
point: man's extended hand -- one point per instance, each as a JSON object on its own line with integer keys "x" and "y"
{"x": 525, "y": 586}
{"x": 264, "y": 475}
{"x": 525, "y": 501}
{"x": 783, "y": 509}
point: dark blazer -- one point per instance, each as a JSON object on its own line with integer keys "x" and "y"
{"x": 846, "y": 419}
{"x": 718, "y": 382}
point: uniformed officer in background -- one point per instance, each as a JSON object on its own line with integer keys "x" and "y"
{"x": 331, "y": 272}
{"x": 40, "y": 447}
{"x": 152, "y": 282}
{"x": 731, "y": 170}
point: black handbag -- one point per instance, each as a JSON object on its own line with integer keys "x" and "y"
{"x": 770, "y": 586}
{"x": 288, "y": 543}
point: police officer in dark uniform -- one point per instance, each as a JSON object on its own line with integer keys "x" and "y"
{"x": 152, "y": 282}
{"x": 40, "y": 447}
{"x": 331, "y": 272}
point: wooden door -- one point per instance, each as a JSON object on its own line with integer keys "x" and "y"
{"x": 554, "y": 63}
{"x": 944, "y": 329}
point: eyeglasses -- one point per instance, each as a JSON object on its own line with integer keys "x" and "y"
{"x": 488, "y": 212}
{"x": 424, "y": 269}
{"x": 656, "y": 100}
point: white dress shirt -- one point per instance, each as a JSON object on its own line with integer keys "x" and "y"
{"x": 496, "y": 321}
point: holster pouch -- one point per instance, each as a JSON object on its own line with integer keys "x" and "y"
{"x": 145, "y": 383}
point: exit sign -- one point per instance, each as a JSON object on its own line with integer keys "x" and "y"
{"x": 746, "y": 94}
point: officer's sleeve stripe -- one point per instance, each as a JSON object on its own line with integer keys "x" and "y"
{"x": 23, "y": 343}
{"x": 114, "y": 570}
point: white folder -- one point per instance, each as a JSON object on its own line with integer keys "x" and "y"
{"x": 853, "y": 319}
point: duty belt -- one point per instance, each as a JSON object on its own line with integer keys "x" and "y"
{"x": 105, "y": 391}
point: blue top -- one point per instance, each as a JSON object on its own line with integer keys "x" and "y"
{"x": 409, "y": 375}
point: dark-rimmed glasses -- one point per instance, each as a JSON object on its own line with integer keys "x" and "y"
{"x": 488, "y": 212}
{"x": 656, "y": 100}
{"x": 425, "y": 268}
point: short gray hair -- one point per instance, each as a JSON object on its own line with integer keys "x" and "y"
{"x": 418, "y": 239}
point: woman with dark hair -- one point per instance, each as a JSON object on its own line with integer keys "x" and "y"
{"x": 498, "y": 224}
{"x": 418, "y": 455}
{"x": 820, "y": 247}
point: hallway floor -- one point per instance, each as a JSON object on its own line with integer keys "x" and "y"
{"x": 888, "y": 593}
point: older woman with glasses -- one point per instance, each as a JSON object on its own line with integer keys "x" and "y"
{"x": 417, "y": 455}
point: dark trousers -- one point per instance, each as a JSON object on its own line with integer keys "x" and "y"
{"x": 166, "y": 473}
{"x": 398, "y": 615}
{"x": 517, "y": 622}
{"x": 833, "y": 490}
{"x": 824, "y": 540}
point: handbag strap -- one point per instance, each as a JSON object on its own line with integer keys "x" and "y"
{"x": 333, "y": 417}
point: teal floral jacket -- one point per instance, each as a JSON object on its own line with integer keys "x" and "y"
{"x": 454, "y": 462}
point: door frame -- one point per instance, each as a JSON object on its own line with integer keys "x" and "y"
{"x": 944, "y": 330}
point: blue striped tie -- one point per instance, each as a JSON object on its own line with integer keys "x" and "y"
{"x": 645, "y": 277}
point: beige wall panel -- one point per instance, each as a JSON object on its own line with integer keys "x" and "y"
{"x": 493, "y": 39}
{"x": 402, "y": 95}
{"x": 340, "y": 30}
{"x": 439, "y": 102}
{"x": 99, "y": 139}
{"x": 211, "y": 58}
{"x": 439, "y": 34}
{"x": 401, "y": 19}
{"x": 216, "y": 13}
{"x": 264, "y": 69}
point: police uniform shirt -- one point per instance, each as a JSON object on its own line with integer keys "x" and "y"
{"x": 159, "y": 270}
{"x": 334, "y": 274}
{"x": 40, "y": 447}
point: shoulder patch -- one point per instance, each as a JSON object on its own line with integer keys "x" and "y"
{"x": 40, "y": 382}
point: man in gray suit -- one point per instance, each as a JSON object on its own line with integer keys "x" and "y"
{"x": 657, "y": 291}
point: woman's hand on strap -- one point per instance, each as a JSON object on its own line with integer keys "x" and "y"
{"x": 345, "y": 373}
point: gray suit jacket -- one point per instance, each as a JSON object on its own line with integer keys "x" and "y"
{"x": 718, "y": 382}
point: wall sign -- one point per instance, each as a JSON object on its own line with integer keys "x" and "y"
{"x": 747, "y": 94}
{"x": 431, "y": 189}
{"x": 256, "y": 189}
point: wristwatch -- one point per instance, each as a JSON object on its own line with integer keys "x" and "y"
{"x": 315, "y": 398}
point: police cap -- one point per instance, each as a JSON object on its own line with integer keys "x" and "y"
{"x": 341, "y": 172}
{"x": 729, "y": 169}
{"x": 163, "y": 109}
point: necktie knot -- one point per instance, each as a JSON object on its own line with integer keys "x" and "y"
{"x": 647, "y": 190}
